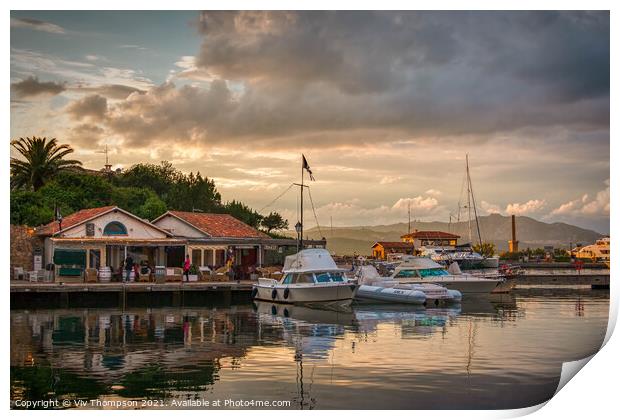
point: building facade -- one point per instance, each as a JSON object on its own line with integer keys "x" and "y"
{"x": 381, "y": 249}
{"x": 430, "y": 238}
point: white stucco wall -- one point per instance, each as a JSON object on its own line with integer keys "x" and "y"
{"x": 178, "y": 228}
{"x": 135, "y": 228}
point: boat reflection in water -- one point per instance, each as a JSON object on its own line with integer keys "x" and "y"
{"x": 367, "y": 357}
{"x": 314, "y": 332}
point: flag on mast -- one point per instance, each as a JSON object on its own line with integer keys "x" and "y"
{"x": 307, "y": 167}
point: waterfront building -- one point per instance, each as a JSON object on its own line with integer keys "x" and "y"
{"x": 90, "y": 239}
{"x": 599, "y": 251}
{"x": 212, "y": 237}
{"x": 430, "y": 238}
{"x": 106, "y": 236}
{"x": 381, "y": 249}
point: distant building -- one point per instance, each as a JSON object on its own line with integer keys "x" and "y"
{"x": 381, "y": 249}
{"x": 598, "y": 251}
{"x": 430, "y": 238}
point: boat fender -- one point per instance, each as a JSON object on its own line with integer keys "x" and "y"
{"x": 254, "y": 292}
{"x": 286, "y": 292}
{"x": 274, "y": 294}
{"x": 436, "y": 302}
{"x": 286, "y": 314}
{"x": 274, "y": 310}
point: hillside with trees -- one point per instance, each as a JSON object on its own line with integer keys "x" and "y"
{"x": 43, "y": 179}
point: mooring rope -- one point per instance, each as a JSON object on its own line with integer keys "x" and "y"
{"x": 276, "y": 199}
{"x": 316, "y": 219}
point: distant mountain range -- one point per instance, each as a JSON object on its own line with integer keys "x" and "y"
{"x": 494, "y": 228}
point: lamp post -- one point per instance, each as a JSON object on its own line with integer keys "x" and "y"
{"x": 298, "y": 229}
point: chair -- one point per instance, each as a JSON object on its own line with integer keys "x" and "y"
{"x": 18, "y": 273}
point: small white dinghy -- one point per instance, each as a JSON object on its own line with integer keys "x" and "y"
{"x": 374, "y": 288}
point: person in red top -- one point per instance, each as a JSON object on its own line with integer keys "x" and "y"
{"x": 186, "y": 266}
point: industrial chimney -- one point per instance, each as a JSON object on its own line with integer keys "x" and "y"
{"x": 513, "y": 245}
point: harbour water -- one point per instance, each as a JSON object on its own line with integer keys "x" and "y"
{"x": 502, "y": 352}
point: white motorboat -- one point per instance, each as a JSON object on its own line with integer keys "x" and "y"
{"x": 310, "y": 276}
{"x": 374, "y": 288}
{"x": 425, "y": 270}
{"x": 466, "y": 257}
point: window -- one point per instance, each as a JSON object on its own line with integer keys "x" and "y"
{"x": 322, "y": 277}
{"x": 288, "y": 279}
{"x": 94, "y": 257}
{"x": 429, "y": 272}
{"x": 115, "y": 228}
{"x": 304, "y": 278}
{"x": 197, "y": 257}
{"x": 337, "y": 277}
{"x": 406, "y": 274}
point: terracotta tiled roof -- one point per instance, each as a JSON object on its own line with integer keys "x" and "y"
{"x": 219, "y": 225}
{"x": 430, "y": 234}
{"x": 72, "y": 220}
{"x": 398, "y": 245}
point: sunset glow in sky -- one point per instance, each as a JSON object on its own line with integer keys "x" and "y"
{"x": 384, "y": 105}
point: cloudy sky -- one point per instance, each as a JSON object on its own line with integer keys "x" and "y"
{"x": 385, "y": 105}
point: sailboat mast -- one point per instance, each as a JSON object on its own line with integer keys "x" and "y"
{"x": 301, "y": 207}
{"x": 468, "y": 196}
{"x": 409, "y": 222}
{"x": 473, "y": 200}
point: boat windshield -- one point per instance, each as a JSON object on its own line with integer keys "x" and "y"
{"x": 406, "y": 273}
{"x": 423, "y": 272}
{"x": 327, "y": 277}
{"x": 430, "y": 272}
{"x": 298, "y": 278}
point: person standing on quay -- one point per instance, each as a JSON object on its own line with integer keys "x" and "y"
{"x": 186, "y": 266}
{"x": 128, "y": 268}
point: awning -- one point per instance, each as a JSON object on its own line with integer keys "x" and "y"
{"x": 119, "y": 242}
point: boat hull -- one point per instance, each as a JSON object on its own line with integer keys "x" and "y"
{"x": 388, "y": 294}
{"x": 313, "y": 293}
{"x": 465, "y": 286}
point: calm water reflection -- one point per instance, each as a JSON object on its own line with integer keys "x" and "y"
{"x": 481, "y": 354}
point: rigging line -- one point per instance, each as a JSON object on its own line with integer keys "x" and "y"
{"x": 316, "y": 219}
{"x": 276, "y": 199}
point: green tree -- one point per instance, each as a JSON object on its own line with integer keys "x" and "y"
{"x": 43, "y": 160}
{"x": 274, "y": 221}
{"x": 486, "y": 249}
{"x": 244, "y": 213}
{"x": 142, "y": 202}
{"x": 178, "y": 190}
{"x": 74, "y": 191}
{"x": 27, "y": 208}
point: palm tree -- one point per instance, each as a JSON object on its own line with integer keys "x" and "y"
{"x": 44, "y": 159}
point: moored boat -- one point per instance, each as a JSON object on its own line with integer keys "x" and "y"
{"x": 374, "y": 288}
{"x": 425, "y": 270}
{"x": 310, "y": 276}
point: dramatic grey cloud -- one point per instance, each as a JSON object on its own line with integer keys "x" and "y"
{"x": 384, "y": 104}
{"x": 407, "y": 74}
{"x": 92, "y": 106}
{"x": 31, "y": 86}
{"x": 37, "y": 25}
